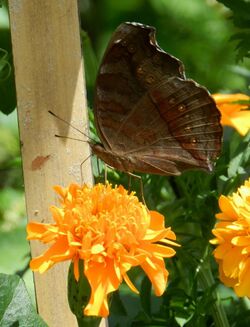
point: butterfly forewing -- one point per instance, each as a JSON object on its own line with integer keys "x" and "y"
{"x": 126, "y": 73}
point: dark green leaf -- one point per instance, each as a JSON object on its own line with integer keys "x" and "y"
{"x": 241, "y": 18}
{"x": 240, "y": 162}
{"x": 145, "y": 295}
{"x": 116, "y": 305}
{"x": 7, "y": 83}
{"x": 16, "y": 308}
{"x": 90, "y": 60}
{"x": 239, "y": 7}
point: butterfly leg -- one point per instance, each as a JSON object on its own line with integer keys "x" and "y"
{"x": 129, "y": 182}
{"x": 141, "y": 185}
{"x": 106, "y": 172}
{"x": 81, "y": 169}
{"x": 98, "y": 166}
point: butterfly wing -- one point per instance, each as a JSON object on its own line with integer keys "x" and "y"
{"x": 145, "y": 109}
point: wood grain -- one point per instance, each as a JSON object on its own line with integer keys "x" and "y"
{"x": 49, "y": 76}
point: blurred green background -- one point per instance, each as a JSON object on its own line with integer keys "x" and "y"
{"x": 198, "y": 32}
{"x": 195, "y": 31}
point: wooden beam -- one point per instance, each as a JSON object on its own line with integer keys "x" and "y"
{"x": 49, "y": 76}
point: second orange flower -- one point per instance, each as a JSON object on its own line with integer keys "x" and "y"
{"x": 233, "y": 113}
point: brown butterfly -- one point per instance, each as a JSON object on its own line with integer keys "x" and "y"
{"x": 149, "y": 117}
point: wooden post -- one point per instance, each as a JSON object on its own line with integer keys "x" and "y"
{"x": 49, "y": 76}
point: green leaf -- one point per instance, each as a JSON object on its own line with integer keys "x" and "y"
{"x": 12, "y": 163}
{"x": 145, "y": 295}
{"x": 7, "y": 83}
{"x": 90, "y": 60}
{"x": 239, "y": 7}
{"x": 241, "y": 18}
{"x": 116, "y": 305}
{"x": 16, "y": 308}
{"x": 240, "y": 163}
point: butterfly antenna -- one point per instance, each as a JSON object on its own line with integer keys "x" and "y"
{"x": 72, "y": 126}
{"x": 68, "y": 137}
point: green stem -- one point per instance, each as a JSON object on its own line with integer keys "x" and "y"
{"x": 88, "y": 321}
{"x": 217, "y": 310}
{"x": 78, "y": 297}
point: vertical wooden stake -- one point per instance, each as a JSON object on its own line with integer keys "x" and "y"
{"x": 49, "y": 76}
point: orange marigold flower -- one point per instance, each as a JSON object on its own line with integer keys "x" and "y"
{"x": 233, "y": 240}
{"x": 111, "y": 231}
{"x": 234, "y": 114}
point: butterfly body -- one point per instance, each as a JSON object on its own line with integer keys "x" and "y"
{"x": 132, "y": 163}
{"x": 149, "y": 117}
{"x": 117, "y": 160}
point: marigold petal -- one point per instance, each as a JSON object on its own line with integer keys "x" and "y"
{"x": 40, "y": 264}
{"x": 229, "y": 98}
{"x": 241, "y": 122}
{"x": 244, "y": 191}
{"x": 234, "y": 114}
{"x": 231, "y": 262}
{"x": 130, "y": 284}
{"x": 214, "y": 241}
{"x": 97, "y": 248}
{"x": 222, "y": 250}
{"x": 57, "y": 252}
{"x": 103, "y": 280}
{"x": 246, "y": 250}
{"x": 57, "y": 214}
{"x": 241, "y": 240}
{"x": 157, "y": 221}
{"x": 242, "y": 288}
{"x": 159, "y": 250}
{"x": 168, "y": 242}
{"x": 228, "y": 281}
{"x": 157, "y": 273}
{"x": 222, "y": 235}
{"x": 60, "y": 190}
{"x": 134, "y": 260}
{"x": 227, "y": 207}
{"x": 244, "y": 215}
{"x": 170, "y": 234}
{"x": 44, "y": 232}
{"x": 154, "y": 236}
